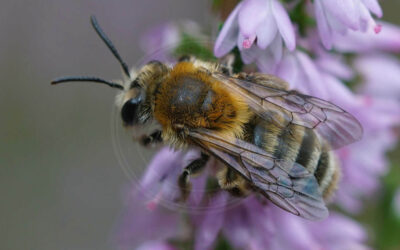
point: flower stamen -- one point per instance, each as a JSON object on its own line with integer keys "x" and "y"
{"x": 248, "y": 42}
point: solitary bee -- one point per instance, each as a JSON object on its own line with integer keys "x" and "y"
{"x": 270, "y": 140}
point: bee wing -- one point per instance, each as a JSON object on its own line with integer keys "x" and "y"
{"x": 288, "y": 185}
{"x": 336, "y": 126}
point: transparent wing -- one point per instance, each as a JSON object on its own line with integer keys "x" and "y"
{"x": 336, "y": 126}
{"x": 287, "y": 184}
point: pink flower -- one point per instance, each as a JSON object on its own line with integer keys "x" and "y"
{"x": 362, "y": 165}
{"x": 320, "y": 77}
{"x": 356, "y": 42}
{"x": 338, "y": 16}
{"x": 160, "y": 42}
{"x": 254, "y": 223}
{"x": 264, "y": 22}
{"x": 151, "y": 206}
{"x": 377, "y": 68}
{"x": 155, "y": 245}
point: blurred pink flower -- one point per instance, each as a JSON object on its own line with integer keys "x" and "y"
{"x": 321, "y": 78}
{"x": 341, "y": 15}
{"x": 362, "y": 165}
{"x": 377, "y": 68}
{"x": 160, "y": 42}
{"x": 265, "y": 22}
{"x": 155, "y": 245}
{"x": 152, "y": 203}
{"x": 251, "y": 224}
{"x": 143, "y": 213}
{"x": 356, "y": 42}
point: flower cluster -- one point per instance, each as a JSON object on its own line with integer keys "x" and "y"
{"x": 359, "y": 75}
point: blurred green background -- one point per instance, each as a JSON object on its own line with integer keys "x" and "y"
{"x": 61, "y": 186}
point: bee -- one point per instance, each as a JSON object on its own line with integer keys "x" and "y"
{"x": 270, "y": 140}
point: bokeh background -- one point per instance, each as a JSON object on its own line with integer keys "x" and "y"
{"x": 61, "y": 185}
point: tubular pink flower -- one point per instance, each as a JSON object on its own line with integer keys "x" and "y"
{"x": 387, "y": 40}
{"x": 377, "y": 68}
{"x": 340, "y": 16}
{"x": 252, "y": 224}
{"x": 378, "y": 116}
{"x": 263, "y": 22}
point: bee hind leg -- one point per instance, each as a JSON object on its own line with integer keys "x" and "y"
{"x": 194, "y": 168}
{"x": 234, "y": 183}
{"x": 153, "y": 138}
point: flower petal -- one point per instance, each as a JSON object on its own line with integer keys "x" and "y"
{"x": 334, "y": 65}
{"x": 314, "y": 84}
{"x": 163, "y": 163}
{"x": 237, "y": 229}
{"x": 335, "y": 24}
{"x": 344, "y": 10}
{"x": 227, "y": 37}
{"x": 266, "y": 62}
{"x": 366, "y": 19}
{"x": 381, "y": 73}
{"x": 250, "y": 55}
{"x": 288, "y": 70}
{"x": 374, "y": 6}
{"x": 211, "y": 223}
{"x": 351, "y": 235}
{"x": 266, "y": 32}
{"x": 251, "y": 15}
{"x": 276, "y": 49}
{"x": 284, "y": 25}
{"x": 139, "y": 224}
{"x": 324, "y": 30}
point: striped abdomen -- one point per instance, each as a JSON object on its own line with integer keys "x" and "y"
{"x": 297, "y": 144}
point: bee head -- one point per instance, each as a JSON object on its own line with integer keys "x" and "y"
{"x": 133, "y": 107}
{"x": 133, "y": 110}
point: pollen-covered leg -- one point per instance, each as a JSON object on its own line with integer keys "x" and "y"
{"x": 233, "y": 182}
{"x": 153, "y": 138}
{"x": 153, "y": 71}
{"x": 186, "y": 58}
{"x": 194, "y": 168}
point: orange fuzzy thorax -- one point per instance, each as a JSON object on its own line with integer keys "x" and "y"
{"x": 190, "y": 98}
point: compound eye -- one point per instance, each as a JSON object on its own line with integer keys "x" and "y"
{"x": 130, "y": 111}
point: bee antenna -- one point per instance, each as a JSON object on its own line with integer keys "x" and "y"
{"x": 109, "y": 44}
{"x": 86, "y": 79}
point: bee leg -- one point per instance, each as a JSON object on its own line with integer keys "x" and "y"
{"x": 226, "y": 64}
{"x": 231, "y": 181}
{"x": 186, "y": 58}
{"x": 150, "y": 71}
{"x": 264, "y": 79}
{"x": 151, "y": 139}
{"x": 195, "y": 167}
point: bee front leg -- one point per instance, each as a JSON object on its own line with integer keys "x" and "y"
{"x": 194, "y": 167}
{"x": 151, "y": 139}
{"x": 186, "y": 58}
{"x": 226, "y": 64}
